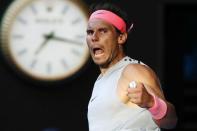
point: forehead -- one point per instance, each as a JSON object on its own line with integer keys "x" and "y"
{"x": 98, "y": 23}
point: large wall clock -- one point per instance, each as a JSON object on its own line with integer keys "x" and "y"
{"x": 45, "y": 39}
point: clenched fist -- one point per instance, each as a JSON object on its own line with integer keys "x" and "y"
{"x": 140, "y": 96}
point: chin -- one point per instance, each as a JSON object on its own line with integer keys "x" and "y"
{"x": 98, "y": 61}
{"x": 101, "y": 63}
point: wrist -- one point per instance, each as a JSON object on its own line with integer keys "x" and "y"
{"x": 159, "y": 108}
{"x": 151, "y": 103}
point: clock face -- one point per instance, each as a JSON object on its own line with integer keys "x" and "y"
{"x": 45, "y": 39}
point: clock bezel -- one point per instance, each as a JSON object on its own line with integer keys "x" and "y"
{"x": 8, "y": 19}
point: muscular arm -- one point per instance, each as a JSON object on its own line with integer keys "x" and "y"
{"x": 148, "y": 83}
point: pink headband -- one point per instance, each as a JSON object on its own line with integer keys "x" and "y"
{"x": 111, "y": 18}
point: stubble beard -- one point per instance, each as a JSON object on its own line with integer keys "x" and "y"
{"x": 109, "y": 62}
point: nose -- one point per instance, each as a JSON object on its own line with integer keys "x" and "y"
{"x": 95, "y": 36}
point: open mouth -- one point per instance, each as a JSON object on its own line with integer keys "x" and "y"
{"x": 98, "y": 51}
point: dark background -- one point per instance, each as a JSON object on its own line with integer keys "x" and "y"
{"x": 162, "y": 36}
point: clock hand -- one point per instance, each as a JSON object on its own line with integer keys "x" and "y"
{"x": 66, "y": 40}
{"x": 47, "y": 38}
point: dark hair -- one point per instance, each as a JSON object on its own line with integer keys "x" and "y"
{"x": 103, "y": 5}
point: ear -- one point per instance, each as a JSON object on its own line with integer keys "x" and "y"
{"x": 122, "y": 38}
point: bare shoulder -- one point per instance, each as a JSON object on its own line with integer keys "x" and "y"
{"x": 144, "y": 74}
{"x": 138, "y": 71}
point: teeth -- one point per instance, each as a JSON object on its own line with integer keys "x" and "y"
{"x": 98, "y": 51}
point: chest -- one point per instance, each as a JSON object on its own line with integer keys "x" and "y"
{"x": 104, "y": 96}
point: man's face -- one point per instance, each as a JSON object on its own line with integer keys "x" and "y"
{"x": 102, "y": 40}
